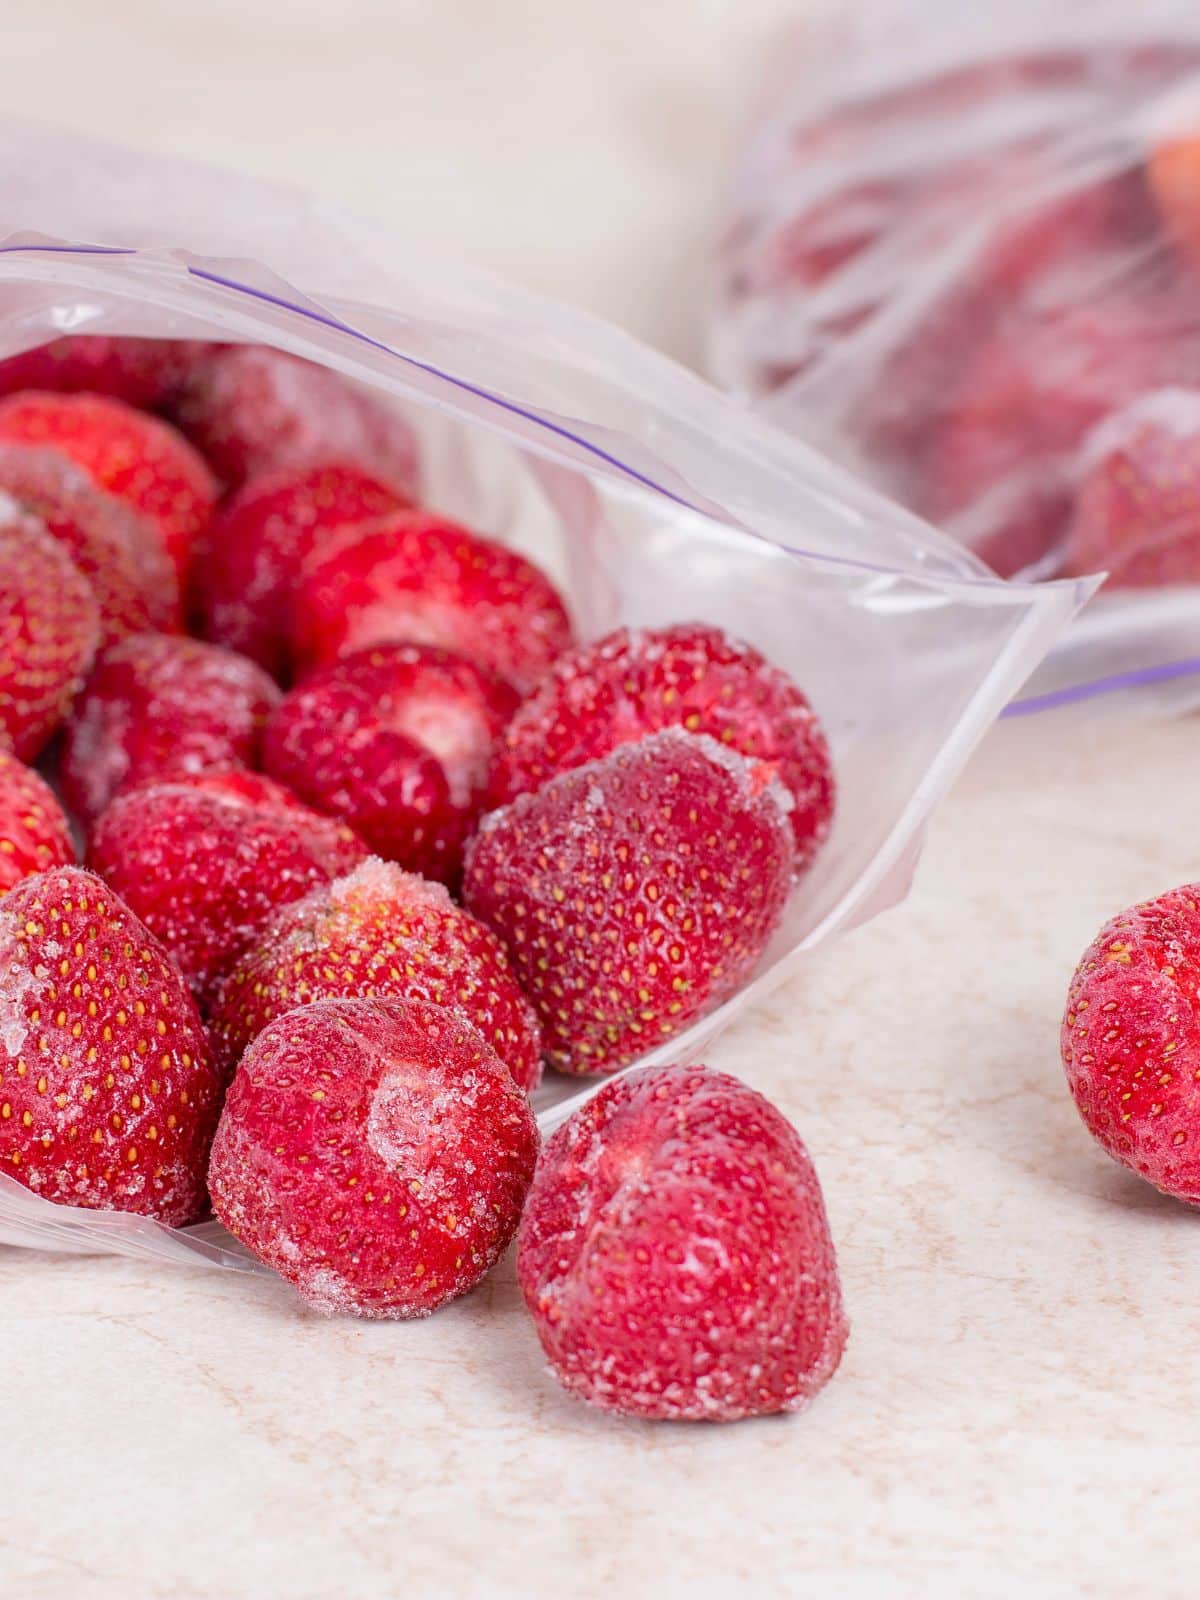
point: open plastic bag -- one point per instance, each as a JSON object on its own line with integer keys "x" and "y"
{"x": 648, "y": 495}
{"x": 963, "y": 257}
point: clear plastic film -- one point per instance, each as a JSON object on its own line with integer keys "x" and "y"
{"x": 648, "y": 495}
{"x": 962, "y": 257}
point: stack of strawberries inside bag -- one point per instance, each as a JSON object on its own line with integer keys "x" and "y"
{"x": 367, "y": 836}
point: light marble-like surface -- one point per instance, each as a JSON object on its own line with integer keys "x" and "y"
{"x": 1016, "y": 1411}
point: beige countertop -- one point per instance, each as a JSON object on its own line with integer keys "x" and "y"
{"x": 1014, "y": 1414}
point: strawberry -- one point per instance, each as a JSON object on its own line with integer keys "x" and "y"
{"x": 157, "y": 707}
{"x": 1137, "y": 513}
{"x": 142, "y": 372}
{"x": 109, "y": 1095}
{"x": 255, "y": 545}
{"x": 415, "y": 578}
{"x": 397, "y": 741}
{"x": 252, "y": 409}
{"x": 375, "y": 1153}
{"x": 138, "y": 458}
{"x": 675, "y": 1254}
{"x": 34, "y": 832}
{"x": 634, "y": 893}
{"x": 116, "y": 550}
{"x": 379, "y": 933}
{"x": 1131, "y": 1044}
{"x": 205, "y": 870}
{"x": 49, "y": 630}
{"x": 241, "y": 785}
{"x": 639, "y": 681}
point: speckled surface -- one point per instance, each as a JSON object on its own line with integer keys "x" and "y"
{"x": 1016, "y": 1410}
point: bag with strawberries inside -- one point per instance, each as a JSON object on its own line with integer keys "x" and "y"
{"x": 531, "y": 679}
{"x": 962, "y": 256}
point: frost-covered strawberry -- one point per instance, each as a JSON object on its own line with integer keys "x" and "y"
{"x": 675, "y": 1255}
{"x": 109, "y": 1096}
{"x": 415, "y": 578}
{"x": 34, "y": 832}
{"x": 157, "y": 707}
{"x": 634, "y": 893}
{"x": 396, "y": 740}
{"x": 204, "y": 870}
{"x": 379, "y": 933}
{"x": 49, "y": 630}
{"x": 142, "y": 372}
{"x": 638, "y": 681}
{"x": 375, "y": 1153}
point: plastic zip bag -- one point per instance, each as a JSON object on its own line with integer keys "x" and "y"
{"x": 649, "y": 497}
{"x": 963, "y": 257}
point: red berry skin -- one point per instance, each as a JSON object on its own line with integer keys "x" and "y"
{"x": 675, "y": 1254}
{"x": 258, "y": 539}
{"x": 49, "y": 631}
{"x": 396, "y": 740}
{"x": 142, "y": 372}
{"x": 638, "y": 681}
{"x": 205, "y": 871}
{"x": 1131, "y": 1040}
{"x": 252, "y": 410}
{"x": 379, "y": 934}
{"x": 109, "y": 1095}
{"x": 634, "y": 893}
{"x": 416, "y": 578}
{"x": 34, "y": 832}
{"x": 136, "y": 457}
{"x": 375, "y": 1154}
{"x": 159, "y": 707}
{"x": 117, "y": 551}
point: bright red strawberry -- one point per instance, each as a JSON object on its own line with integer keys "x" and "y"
{"x": 634, "y": 893}
{"x": 34, "y": 832}
{"x": 1131, "y": 1040}
{"x": 379, "y": 933}
{"x": 242, "y": 786}
{"x": 639, "y": 681}
{"x": 157, "y": 707}
{"x": 415, "y": 578}
{"x": 136, "y": 457}
{"x": 252, "y": 409}
{"x": 397, "y": 741}
{"x": 375, "y": 1153}
{"x": 675, "y": 1254}
{"x": 49, "y": 630}
{"x": 257, "y": 541}
{"x": 142, "y": 372}
{"x": 116, "y": 550}
{"x": 109, "y": 1095}
{"x": 1137, "y": 514}
{"x": 205, "y": 871}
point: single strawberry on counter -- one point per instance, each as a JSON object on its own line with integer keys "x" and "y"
{"x": 108, "y": 1092}
{"x": 34, "y": 832}
{"x": 375, "y": 1153}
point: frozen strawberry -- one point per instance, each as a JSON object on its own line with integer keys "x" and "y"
{"x": 375, "y": 1153}
{"x": 634, "y": 893}
{"x": 379, "y": 933}
{"x": 116, "y": 550}
{"x": 241, "y": 785}
{"x": 136, "y": 457}
{"x": 142, "y": 372}
{"x": 414, "y": 578}
{"x": 109, "y": 1096}
{"x": 49, "y": 630}
{"x": 397, "y": 741}
{"x": 1131, "y": 1040}
{"x": 157, "y": 707}
{"x": 639, "y": 681}
{"x": 34, "y": 832}
{"x": 204, "y": 871}
{"x": 675, "y": 1255}
{"x": 1137, "y": 514}
{"x": 258, "y": 539}
{"x": 252, "y": 410}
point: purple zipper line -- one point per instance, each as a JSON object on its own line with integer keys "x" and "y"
{"x": 1137, "y": 679}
